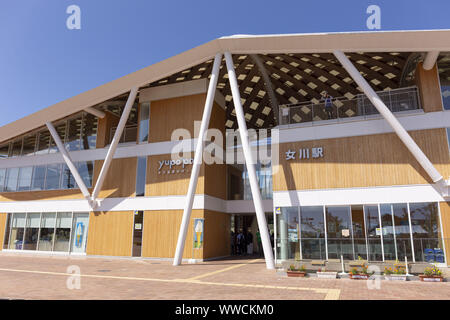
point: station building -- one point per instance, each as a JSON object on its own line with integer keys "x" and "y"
{"x": 357, "y": 125}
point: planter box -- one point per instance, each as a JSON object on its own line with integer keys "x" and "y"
{"x": 296, "y": 273}
{"x": 359, "y": 276}
{"x": 396, "y": 277}
{"x": 431, "y": 278}
{"x": 326, "y": 275}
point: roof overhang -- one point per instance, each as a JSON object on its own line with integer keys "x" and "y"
{"x": 380, "y": 41}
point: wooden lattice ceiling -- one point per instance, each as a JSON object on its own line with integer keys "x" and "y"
{"x": 295, "y": 78}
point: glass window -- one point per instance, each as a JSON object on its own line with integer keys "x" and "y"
{"x": 426, "y": 232}
{"x": 12, "y": 176}
{"x": 339, "y": 233}
{"x": 73, "y": 140}
{"x": 141, "y": 176}
{"x": 4, "y": 151}
{"x": 402, "y": 231}
{"x": 32, "y": 231}
{"x": 443, "y": 64}
{"x": 47, "y": 231}
{"x": 43, "y": 142}
{"x": 68, "y": 181}
{"x": 29, "y": 145}
{"x": 387, "y": 223}
{"x": 16, "y": 148}
{"x": 53, "y": 177}
{"x": 80, "y": 232}
{"x": 373, "y": 232}
{"x": 2, "y": 179}
{"x": 89, "y": 132}
{"x": 25, "y": 175}
{"x": 86, "y": 170}
{"x": 17, "y": 231}
{"x": 63, "y": 229}
{"x": 144, "y": 122}
{"x": 288, "y": 233}
{"x": 312, "y": 233}
{"x": 448, "y": 139}
{"x": 38, "y": 182}
{"x": 359, "y": 232}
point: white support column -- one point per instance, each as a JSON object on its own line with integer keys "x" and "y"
{"x": 197, "y": 160}
{"x": 68, "y": 161}
{"x": 430, "y": 59}
{"x": 250, "y": 162}
{"x": 114, "y": 143}
{"x": 95, "y": 112}
{"x": 268, "y": 82}
{"x": 412, "y": 146}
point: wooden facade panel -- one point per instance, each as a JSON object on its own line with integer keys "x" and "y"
{"x": 104, "y": 128}
{"x": 162, "y": 183}
{"x": 361, "y": 161}
{"x": 429, "y": 88}
{"x": 445, "y": 218}
{"x": 165, "y": 116}
{"x": 3, "y": 219}
{"x": 217, "y": 234}
{"x": 120, "y": 180}
{"x": 110, "y": 233}
{"x": 160, "y": 234}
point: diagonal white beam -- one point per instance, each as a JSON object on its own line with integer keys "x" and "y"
{"x": 114, "y": 143}
{"x": 68, "y": 161}
{"x": 250, "y": 163}
{"x": 95, "y": 112}
{"x": 197, "y": 161}
{"x": 430, "y": 59}
{"x": 268, "y": 83}
{"x": 393, "y": 122}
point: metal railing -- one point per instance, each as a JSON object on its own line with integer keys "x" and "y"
{"x": 397, "y": 100}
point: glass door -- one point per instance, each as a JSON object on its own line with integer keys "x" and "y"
{"x": 373, "y": 231}
{"x": 387, "y": 227}
{"x": 63, "y": 231}
{"x": 339, "y": 233}
{"x": 359, "y": 232}
{"x": 79, "y": 232}
{"x": 137, "y": 233}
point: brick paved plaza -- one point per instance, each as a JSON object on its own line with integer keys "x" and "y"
{"x": 45, "y": 277}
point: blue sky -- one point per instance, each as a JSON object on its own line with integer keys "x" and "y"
{"x": 42, "y": 62}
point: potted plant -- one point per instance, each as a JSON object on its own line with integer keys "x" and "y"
{"x": 398, "y": 273}
{"x": 292, "y": 271}
{"x": 359, "y": 275}
{"x": 322, "y": 273}
{"x": 432, "y": 274}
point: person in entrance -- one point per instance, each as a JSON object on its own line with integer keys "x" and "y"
{"x": 242, "y": 246}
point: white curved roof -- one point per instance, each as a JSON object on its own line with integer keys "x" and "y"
{"x": 380, "y": 41}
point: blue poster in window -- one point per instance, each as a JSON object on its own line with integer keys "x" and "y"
{"x": 79, "y": 231}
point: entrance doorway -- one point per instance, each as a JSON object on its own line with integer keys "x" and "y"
{"x": 245, "y": 239}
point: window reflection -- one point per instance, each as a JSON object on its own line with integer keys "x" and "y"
{"x": 312, "y": 233}
{"x": 372, "y": 232}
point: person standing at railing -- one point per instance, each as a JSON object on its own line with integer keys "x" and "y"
{"x": 328, "y": 104}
